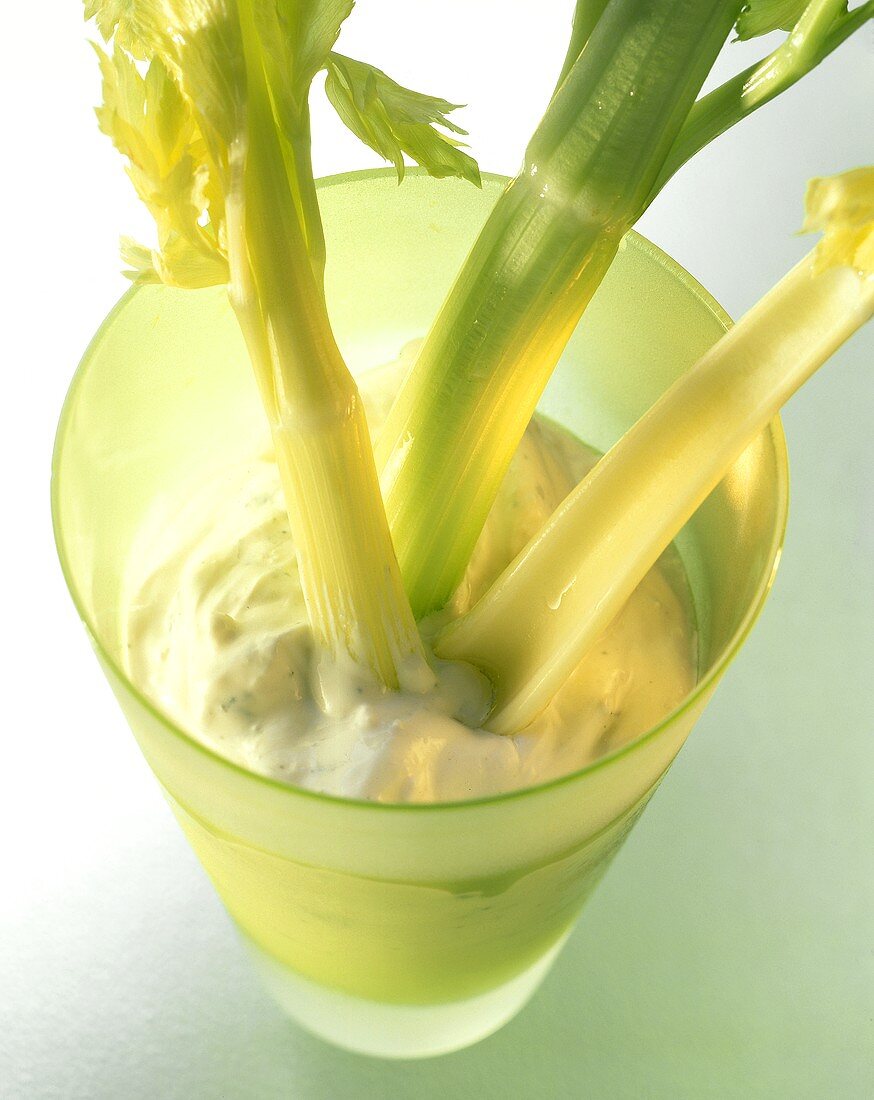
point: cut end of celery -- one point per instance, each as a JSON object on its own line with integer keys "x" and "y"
{"x": 842, "y": 209}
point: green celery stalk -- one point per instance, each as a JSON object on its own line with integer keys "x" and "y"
{"x": 823, "y": 26}
{"x": 586, "y": 16}
{"x": 578, "y": 572}
{"x": 588, "y": 170}
{"x": 348, "y": 570}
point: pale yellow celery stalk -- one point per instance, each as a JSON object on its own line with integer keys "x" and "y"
{"x": 216, "y": 131}
{"x": 534, "y": 625}
{"x": 349, "y": 575}
{"x": 348, "y": 571}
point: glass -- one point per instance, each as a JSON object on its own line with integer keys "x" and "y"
{"x": 411, "y": 930}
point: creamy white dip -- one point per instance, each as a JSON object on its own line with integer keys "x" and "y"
{"x": 215, "y": 632}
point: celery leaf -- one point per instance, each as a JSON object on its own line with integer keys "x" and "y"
{"x": 119, "y": 20}
{"x": 199, "y": 41}
{"x": 394, "y": 120}
{"x": 763, "y": 16}
{"x": 151, "y": 123}
{"x": 140, "y": 260}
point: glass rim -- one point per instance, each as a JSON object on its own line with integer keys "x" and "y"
{"x": 768, "y": 572}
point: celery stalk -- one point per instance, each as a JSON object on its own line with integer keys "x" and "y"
{"x": 588, "y": 169}
{"x": 348, "y": 571}
{"x": 575, "y": 576}
{"x": 824, "y": 25}
{"x": 586, "y": 16}
{"x": 217, "y": 132}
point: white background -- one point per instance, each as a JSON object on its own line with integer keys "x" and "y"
{"x": 119, "y": 973}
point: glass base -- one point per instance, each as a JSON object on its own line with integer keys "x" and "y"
{"x": 385, "y": 1030}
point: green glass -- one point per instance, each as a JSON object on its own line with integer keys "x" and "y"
{"x": 415, "y": 929}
